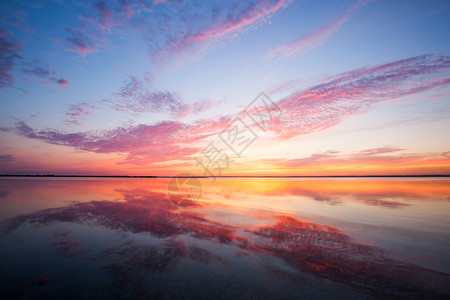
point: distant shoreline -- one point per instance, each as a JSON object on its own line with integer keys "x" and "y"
{"x": 242, "y": 176}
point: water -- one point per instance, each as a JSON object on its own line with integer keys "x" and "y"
{"x": 244, "y": 238}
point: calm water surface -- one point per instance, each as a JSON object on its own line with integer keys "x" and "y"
{"x": 84, "y": 238}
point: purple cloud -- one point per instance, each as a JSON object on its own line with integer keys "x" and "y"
{"x": 40, "y": 71}
{"x": 138, "y": 97}
{"x": 104, "y": 10}
{"x": 336, "y": 99}
{"x": 105, "y": 14}
{"x": 9, "y": 49}
{"x": 121, "y": 139}
{"x": 163, "y": 141}
{"x": 80, "y": 42}
{"x": 314, "y": 109}
{"x": 77, "y": 111}
{"x": 135, "y": 96}
{"x": 62, "y": 82}
{"x": 7, "y": 158}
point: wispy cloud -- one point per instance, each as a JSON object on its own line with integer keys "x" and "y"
{"x": 244, "y": 19}
{"x": 333, "y": 157}
{"x": 96, "y": 23}
{"x": 78, "y": 111}
{"x": 37, "y": 69}
{"x": 336, "y": 99}
{"x": 316, "y": 108}
{"x": 283, "y": 86}
{"x": 200, "y": 106}
{"x": 316, "y": 38}
{"x": 105, "y": 14}
{"x": 143, "y": 143}
{"x": 81, "y": 42}
{"x": 15, "y": 17}
{"x": 383, "y": 160}
{"x": 127, "y": 8}
{"x": 10, "y": 48}
{"x": 158, "y": 142}
{"x": 185, "y": 30}
{"x": 312, "y": 159}
{"x": 136, "y": 97}
{"x": 226, "y": 25}
{"x": 380, "y": 150}
{"x": 7, "y": 158}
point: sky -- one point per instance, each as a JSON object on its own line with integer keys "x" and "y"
{"x": 216, "y": 88}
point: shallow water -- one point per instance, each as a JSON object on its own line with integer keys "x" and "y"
{"x": 243, "y": 238}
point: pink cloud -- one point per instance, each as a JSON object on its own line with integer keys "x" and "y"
{"x": 62, "y": 82}
{"x": 142, "y": 143}
{"x": 206, "y": 128}
{"x": 153, "y": 140}
{"x": 316, "y": 38}
{"x": 438, "y": 96}
{"x": 381, "y": 150}
{"x": 250, "y": 16}
{"x": 314, "y": 109}
{"x": 383, "y": 156}
{"x": 336, "y": 99}
{"x": 220, "y": 27}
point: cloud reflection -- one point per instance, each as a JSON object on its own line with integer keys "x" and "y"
{"x": 322, "y": 250}
{"x": 327, "y": 252}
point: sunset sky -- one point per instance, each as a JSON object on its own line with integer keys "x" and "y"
{"x": 157, "y": 87}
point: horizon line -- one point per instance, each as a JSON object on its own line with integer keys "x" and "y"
{"x": 225, "y": 176}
